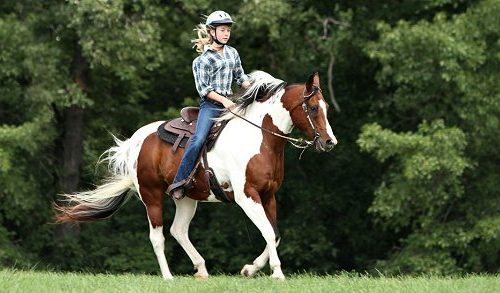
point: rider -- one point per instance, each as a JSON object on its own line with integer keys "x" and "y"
{"x": 214, "y": 71}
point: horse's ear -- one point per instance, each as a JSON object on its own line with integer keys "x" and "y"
{"x": 312, "y": 80}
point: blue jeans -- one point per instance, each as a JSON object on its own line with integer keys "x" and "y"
{"x": 208, "y": 111}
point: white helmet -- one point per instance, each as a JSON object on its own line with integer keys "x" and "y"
{"x": 219, "y": 17}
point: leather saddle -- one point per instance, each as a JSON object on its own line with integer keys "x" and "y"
{"x": 178, "y": 131}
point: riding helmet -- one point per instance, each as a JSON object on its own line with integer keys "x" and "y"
{"x": 219, "y": 17}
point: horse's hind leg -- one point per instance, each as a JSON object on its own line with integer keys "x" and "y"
{"x": 184, "y": 213}
{"x": 153, "y": 200}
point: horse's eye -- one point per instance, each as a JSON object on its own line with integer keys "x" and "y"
{"x": 314, "y": 108}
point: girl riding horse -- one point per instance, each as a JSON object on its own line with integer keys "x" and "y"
{"x": 214, "y": 71}
{"x": 247, "y": 159}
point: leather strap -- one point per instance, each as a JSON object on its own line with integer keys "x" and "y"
{"x": 190, "y": 181}
{"x": 213, "y": 183}
{"x": 177, "y": 142}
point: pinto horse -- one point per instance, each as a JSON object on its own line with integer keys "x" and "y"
{"x": 247, "y": 159}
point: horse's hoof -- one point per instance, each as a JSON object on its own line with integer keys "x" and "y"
{"x": 201, "y": 276}
{"x": 278, "y": 274}
{"x": 248, "y": 270}
{"x": 168, "y": 278}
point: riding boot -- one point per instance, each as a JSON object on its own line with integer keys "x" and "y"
{"x": 176, "y": 190}
{"x": 178, "y": 193}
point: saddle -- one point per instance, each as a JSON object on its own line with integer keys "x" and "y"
{"x": 179, "y": 131}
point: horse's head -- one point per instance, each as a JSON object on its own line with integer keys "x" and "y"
{"x": 308, "y": 110}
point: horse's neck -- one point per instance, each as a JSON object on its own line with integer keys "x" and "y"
{"x": 274, "y": 108}
{"x": 270, "y": 116}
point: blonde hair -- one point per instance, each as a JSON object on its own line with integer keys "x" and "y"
{"x": 204, "y": 38}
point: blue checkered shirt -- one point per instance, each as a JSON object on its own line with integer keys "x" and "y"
{"x": 216, "y": 72}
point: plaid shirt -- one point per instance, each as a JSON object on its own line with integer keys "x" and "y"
{"x": 216, "y": 72}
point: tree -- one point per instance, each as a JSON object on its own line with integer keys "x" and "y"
{"x": 440, "y": 69}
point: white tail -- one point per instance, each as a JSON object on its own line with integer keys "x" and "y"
{"x": 112, "y": 187}
{"x": 108, "y": 197}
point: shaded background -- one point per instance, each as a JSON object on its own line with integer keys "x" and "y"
{"x": 413, "y": 186}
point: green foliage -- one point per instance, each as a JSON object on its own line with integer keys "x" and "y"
{"x": 435, "y": 185}
{"x": 30, "y": 74}
{"x": 444, "y": 68}
{"x": 420, "y": 193}
{"x": 10, "y": 254}
{"x": 425, "y": 173}
{"x": 132, "y": 39}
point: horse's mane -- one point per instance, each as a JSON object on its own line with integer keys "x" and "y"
{"x": 262, "y": 87}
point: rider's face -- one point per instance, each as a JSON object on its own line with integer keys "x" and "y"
{"x": 223, "y": 33}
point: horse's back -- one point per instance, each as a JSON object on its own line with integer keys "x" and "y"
{"x": 156, "y": 159}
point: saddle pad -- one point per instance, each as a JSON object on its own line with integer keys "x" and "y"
{"x": 170, "y": 137}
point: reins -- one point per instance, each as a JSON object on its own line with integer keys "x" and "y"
{"x": 299, "y": 143}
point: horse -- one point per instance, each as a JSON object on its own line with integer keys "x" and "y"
{"x": 247, "y": 159}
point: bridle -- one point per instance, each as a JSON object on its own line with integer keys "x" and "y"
{"x": 305, "y": 107}
{"x": 296, "y": 142}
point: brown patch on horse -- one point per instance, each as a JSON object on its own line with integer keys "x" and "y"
{"x": 158, "y": 165}
{"x": 265, "y": 171}
{"x": 318, "y": 118}
{"x": 294, "y": 106}
{"x": 151, "y": 185}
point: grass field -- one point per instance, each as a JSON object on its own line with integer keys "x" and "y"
{"x": 33, "y": 281}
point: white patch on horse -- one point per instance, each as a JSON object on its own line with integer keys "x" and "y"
{"x": 184, "y": 212}
{"x": 281, "y": 116}
{"x": 328, "y": 127}
{"x": 158, "y": 241}
{"x": 228, "y": 164}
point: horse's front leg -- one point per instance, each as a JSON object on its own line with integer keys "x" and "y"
{"x": 269, "y": 204}
{"x": 250, "y": 270}
{"x": 251, "y": 203}
{"x": 184, "y": 213}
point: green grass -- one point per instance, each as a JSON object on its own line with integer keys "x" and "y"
{"x": 33, "y": 281}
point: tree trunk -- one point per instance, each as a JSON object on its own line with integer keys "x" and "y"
{"x": 72, "y": 142}
{"x": 72, "y": 148}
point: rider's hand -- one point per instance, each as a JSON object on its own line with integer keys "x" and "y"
{"x": 246, "y": 84}
{"x": 228, "y": 104}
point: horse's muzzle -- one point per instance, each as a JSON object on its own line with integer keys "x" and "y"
{"x": 325, "y": 145}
